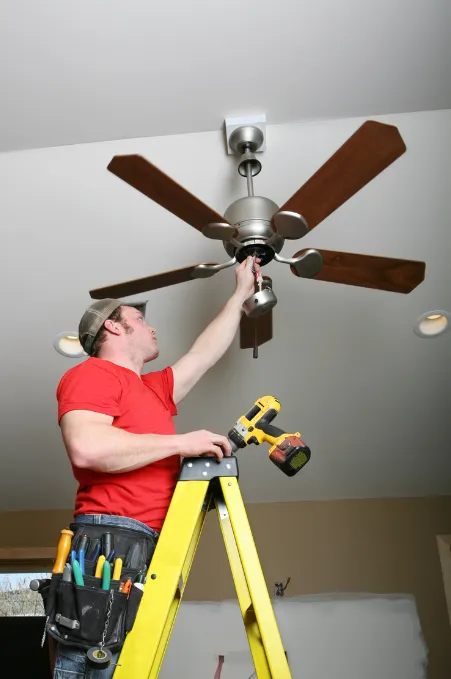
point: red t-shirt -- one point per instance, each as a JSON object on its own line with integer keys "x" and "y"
{"x": 141, "y": 405}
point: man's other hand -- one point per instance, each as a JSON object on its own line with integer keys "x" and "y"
{"x": 204, "y": 443}
{"x": 245, "y": 278}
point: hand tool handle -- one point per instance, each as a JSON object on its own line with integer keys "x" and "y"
{"x": 78, "y": 577}
{"x": 83, "y": 544}
{"x": 63, "y": 550}
{"x": 117, "y": 569}
{"x": 272, "y": 430}
{"x": 95, "y": 552}
{"x": 106, "y": 576}
{"x": 99, "y": 566}
{"x": 81, "y": 559}
{"x": 107, "y": 544}
{"x": 67, "y": 575}
{"x": 127, "y": 587}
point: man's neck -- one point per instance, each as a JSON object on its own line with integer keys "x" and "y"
{"x": 119, "y": 358}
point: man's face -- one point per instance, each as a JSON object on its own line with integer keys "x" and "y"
{"x": 141, "y": 336}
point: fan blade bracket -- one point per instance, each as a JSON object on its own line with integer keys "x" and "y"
{"x": 219, "y": 231}
{"x": 208, "y": 270}
{"x": 306, "y": 264}
{"x": 290, "y": 225}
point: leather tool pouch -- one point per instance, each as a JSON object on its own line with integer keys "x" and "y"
{"x": 80, "y": 615}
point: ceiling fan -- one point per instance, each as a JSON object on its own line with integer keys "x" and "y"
{"x": 256, "y": 226}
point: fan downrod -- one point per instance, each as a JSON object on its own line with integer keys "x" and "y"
{"x": 252, "y": 216}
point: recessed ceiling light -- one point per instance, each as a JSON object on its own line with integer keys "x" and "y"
{"x": 432, "y": 323}
{"x": 68, "y": 344}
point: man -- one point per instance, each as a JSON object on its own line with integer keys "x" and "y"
{"x": 117, "y": 424}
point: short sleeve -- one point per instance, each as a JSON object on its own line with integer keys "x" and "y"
{"x": 89, "y": 387}
{"x": 162, "y": 382}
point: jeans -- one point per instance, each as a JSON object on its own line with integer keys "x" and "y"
{"x": 70, "y": 662}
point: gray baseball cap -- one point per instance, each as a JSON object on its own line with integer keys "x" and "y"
{"x": 96, "y": 315}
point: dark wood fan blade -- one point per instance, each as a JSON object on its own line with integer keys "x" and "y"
{"x": 368, "y": 271}
{"x": 159, "y": 187}
{"x": 371, "y": 149}
{"x": 139, "y": 285}
{"x": 255, "y": 328}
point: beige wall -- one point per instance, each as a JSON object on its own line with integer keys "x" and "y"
{"x": 379, "y": 546}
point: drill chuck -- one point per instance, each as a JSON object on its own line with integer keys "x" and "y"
{"x": 236, "y": 440}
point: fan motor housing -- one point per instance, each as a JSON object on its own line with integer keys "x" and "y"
{"x": 252, "y": 217}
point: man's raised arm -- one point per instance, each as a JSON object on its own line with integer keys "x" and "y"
{"x": 212, "y": 344}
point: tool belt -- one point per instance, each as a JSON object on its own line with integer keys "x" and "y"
{"x": 98, "y": 612}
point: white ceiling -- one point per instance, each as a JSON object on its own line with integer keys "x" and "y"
{"x": 108, "y": 69}
{"x": 370, "y": 397}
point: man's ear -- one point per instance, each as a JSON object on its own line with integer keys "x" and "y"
{"x": 112, "y": 326}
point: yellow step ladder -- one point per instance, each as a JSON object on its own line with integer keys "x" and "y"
{"x": 203, "y": 483}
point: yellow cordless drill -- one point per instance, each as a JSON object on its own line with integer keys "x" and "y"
{"x": 288, "y": 451}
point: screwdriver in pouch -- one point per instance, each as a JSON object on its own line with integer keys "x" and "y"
{"x": 67, "y": 574}
{"x": 83, "y": 547}
{"x": 81, "y": 559}
{"x": 94, "y": 549}
{"x": 63, "y": 550}
{"x": 107, "y": 544}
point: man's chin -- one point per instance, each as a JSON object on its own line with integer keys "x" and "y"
{"x": 152, "y": 356}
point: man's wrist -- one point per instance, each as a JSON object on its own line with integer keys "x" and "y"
{"x": 238, "y": 299}
{"x": 169, "y": 444}
{"x": 175, "y": 445}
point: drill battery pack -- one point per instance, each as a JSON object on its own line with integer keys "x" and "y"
{"x": 290, "y": 455}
